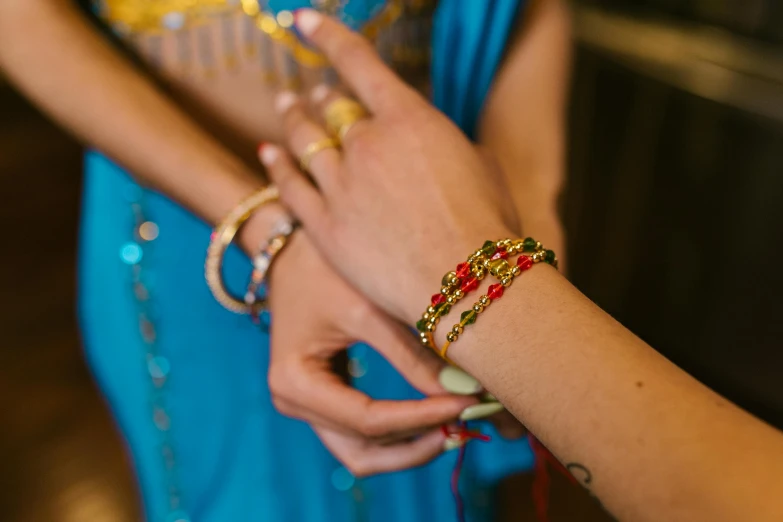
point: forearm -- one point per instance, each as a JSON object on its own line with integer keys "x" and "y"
{"x": 658, "y": 445}
{"x": 523, "y": 123}
{"x": 51, "y": 53}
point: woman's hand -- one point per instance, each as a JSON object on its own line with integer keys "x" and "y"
{"x": 317, "y": 315}
{"x": 405, "y": 200}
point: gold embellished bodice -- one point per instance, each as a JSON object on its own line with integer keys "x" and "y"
{"x": 252, "y": 30}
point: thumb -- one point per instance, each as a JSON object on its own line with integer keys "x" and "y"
{"x": 419, "y": 365}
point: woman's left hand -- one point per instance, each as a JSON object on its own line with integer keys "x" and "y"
{"x": 316, "y": 316}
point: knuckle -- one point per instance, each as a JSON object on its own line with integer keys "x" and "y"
{"x": 360, "y": 314}
{"x": 282, "y": 380}
{"x": 358, "y": 466}
{"x": 371, "y": 426}
{"x": 349, "y": 48}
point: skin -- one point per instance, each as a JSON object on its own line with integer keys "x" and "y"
{"x": 650, "y": 441}
{"x": 169, "y": 148}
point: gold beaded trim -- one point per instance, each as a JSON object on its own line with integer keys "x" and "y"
{"x": 279, "y": 28}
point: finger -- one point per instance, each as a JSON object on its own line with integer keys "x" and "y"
{"x": 295, "y": 189}
{"x": 321, "y": 97}
{"x": 328, "y": 396}
{"x": 370, "y": 459}
{"x": 378, "y": 88}
{"x": 300, "y": 132}
{"x": 396, "y": 343}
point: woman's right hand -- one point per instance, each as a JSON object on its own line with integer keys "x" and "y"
{"x": 406, "y": 198}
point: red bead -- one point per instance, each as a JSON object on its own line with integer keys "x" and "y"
{"x": 438, "y": 299}
{"x": 495, "y": 291}
{"x": 463, "y": 270}
{"x": 469, "y": 285}
{"x": 524, "y": 262}
{"x": 500, "y": 254}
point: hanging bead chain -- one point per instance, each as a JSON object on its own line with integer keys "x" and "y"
{"x": 145, "y": 232}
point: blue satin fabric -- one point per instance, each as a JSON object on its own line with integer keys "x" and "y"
{"x": 237, "y": 458}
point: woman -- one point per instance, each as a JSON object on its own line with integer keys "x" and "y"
{"x": 186, "y": 379}
{"x": 647, "y": 439}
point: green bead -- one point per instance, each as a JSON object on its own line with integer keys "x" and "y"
{"x": 442, "y": 309}
{"x": 489, "y": 247}
{"x": 468, "y": 317}
{"x": 528, "y": 244}
{"x": 549, "y": 257}
{"x": 421, "y": 325}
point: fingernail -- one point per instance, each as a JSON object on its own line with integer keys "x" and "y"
{"x": 456, "y": 381}
{"x": 284, "y": 101}
{"x": 480, "y": 411}
{"x": 452, "y": 444}
{"x": 268, "y": 154}
{"x": 307, "y": 21}
{"x": 319, "y": 93}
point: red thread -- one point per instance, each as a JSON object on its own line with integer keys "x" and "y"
{"x": 463, "y": 435}
{"x": 542, "y": 480}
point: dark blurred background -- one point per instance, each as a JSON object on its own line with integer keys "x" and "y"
{"x": 674, "y": 212}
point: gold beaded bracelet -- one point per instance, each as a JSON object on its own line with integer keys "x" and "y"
{"x": 221, "y": 237}
{"x": 492, "y": 259}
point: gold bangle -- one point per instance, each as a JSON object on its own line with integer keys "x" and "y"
{"x": 222, "y": 236}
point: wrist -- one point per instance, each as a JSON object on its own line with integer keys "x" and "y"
{"x": 439, "y": 261}
{"x": 258, "y": 228}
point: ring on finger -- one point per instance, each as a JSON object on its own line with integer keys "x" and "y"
{"x": 342, "y": 114}
{"x": 314, "y": 148}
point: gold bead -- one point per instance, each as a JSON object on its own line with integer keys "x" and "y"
{"x": 539, "y": 246}
{"x": 425, "y": 341}
{"x": 431, "y": 327}
{"x": 507, "y": 243}
{"x": 487, "y": 263}
{"x": 506, "y": 282}
{"x": 446, "y": 281}
{"x": 434, "y": 319}
{"x": 459, "y": 294}
{"x": 472, "y": 258}
{"x": 478, "y": 254}
{"x": 519, "y": 245}
{"x": 478, "y": 308}
{"x": 426, "y": 315}
{"x": 499, "y": 243}
{"x": 499, "y": 267}
{"x": 451, "y": 300}
{"x": 450, "y": 337}
{"x": 430, "y": 309}
{"x": 457, "y": 329}
{"x": 484, "y": 299}
{"x": 445, "y": 290}
{"x": 515, "y": 271}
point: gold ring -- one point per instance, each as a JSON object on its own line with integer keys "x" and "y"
{"x": 314, "y": 148}
{"x": 341, "y": 115}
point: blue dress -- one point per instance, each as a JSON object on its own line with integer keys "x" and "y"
{"x": 186, "y": 379}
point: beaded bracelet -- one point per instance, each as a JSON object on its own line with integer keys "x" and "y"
{"x": 262, "y": 262}
{"x": 491, "y": 258}
{"x": 221, "y": 237}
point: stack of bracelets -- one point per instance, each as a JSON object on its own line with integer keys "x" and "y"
{"x": 222, "y": 237}
{"x": 492, "y": 258}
